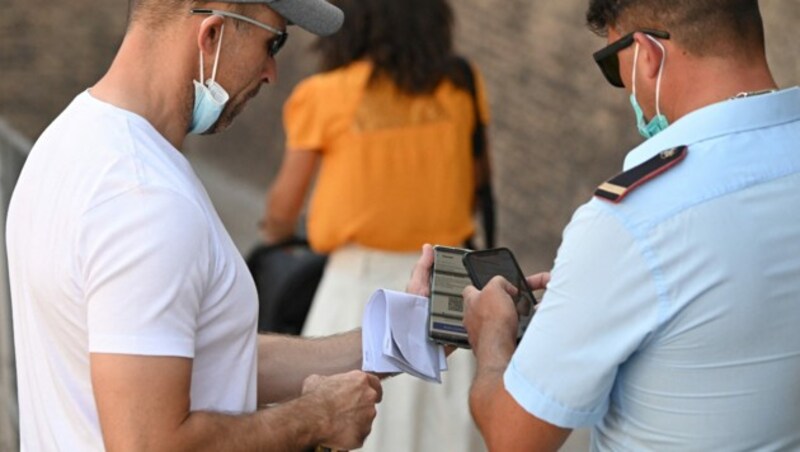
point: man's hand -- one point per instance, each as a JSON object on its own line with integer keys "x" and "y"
{"x": 538, "y": 281}
{"x": 491, "y": 321}
{"x": 348, "y": 403}
{"x": 420, "y": 282}
{"x": 489, "y": 314}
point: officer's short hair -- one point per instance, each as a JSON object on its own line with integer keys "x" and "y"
{"x": 701, "y": 27}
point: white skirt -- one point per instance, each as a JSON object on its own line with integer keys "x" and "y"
{"x": 414, "y": 416}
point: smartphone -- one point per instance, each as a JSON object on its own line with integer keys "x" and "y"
{"x": 446, "y": 307}
{"x": 484, "y": 265}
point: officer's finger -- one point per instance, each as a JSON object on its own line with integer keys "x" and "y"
{"x": 504, "y": 284}
{"x": 538, "y": 281}
{"x": 469, "y": 292}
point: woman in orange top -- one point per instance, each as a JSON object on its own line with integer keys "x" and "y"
{"x": 389, "y": 122}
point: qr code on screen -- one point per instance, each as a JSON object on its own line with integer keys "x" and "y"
{"x": 455, "y": 304}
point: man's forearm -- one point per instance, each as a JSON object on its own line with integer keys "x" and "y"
{"x": 295, "y": 425}
{"x": 503, "y": 422}
{"x": 285, "y": 361}
{"x": 493, "y": 357}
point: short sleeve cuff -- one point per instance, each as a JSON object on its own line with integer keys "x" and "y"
{"x": 302, "y": 119}
{"x": 134, "y": 345}
{"x": 544, "y": 407}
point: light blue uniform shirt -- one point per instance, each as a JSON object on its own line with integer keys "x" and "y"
{"x": 672, "y": 321}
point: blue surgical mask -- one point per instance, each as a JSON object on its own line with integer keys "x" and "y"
{"x": 659, "y": 121}
{"x": 209, "y": 98}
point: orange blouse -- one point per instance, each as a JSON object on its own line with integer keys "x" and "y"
{"x": 396, "y": 170}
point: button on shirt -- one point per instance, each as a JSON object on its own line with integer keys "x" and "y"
{"x": 672, "y": 320}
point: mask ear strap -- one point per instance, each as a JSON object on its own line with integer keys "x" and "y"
{"x": 635, "y": 60}
{"x": 201, "y": 67}
{"x": 660, "y": 71}
{"x": 216, "y": 57}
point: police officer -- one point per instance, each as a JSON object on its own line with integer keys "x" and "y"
{"x": 670, "y": 317}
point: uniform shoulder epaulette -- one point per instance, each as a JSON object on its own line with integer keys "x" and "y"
{"x": 620, "y": 185}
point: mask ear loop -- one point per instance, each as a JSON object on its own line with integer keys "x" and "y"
{"x": 201, "y": 67}
{"x": 635, "y": 60}
{"x": 660, "y": 71}
{"x": 216, "y": 58}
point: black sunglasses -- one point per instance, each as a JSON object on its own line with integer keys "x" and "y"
{"x": 608, "y": 60}
{"x": 273, "y": 46}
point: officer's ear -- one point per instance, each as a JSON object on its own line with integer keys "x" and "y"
{"x": 209, "y": 34}
{"x": 651, "y": 54}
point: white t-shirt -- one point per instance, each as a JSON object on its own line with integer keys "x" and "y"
{"x": 114, "y": 247}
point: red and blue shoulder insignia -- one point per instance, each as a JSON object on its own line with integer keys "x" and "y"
{"x": 616, "y": 188}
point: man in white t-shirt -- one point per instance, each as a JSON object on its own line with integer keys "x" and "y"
{"x": 134, "y": 314}
{"x": 670, "y": 321}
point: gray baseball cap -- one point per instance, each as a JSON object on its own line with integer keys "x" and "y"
{"x": 317, "y": 16}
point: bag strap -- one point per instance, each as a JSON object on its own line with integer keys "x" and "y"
{"x": 483, "y": 189}
{"x": 294, "y": 240}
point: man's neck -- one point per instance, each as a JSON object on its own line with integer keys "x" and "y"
{"x": 151, "y": 81}
{"x": 714, "y": 81}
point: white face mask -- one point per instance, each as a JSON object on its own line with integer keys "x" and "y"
{"x": 209, "y": 98}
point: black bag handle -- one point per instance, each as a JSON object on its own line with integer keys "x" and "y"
{"x": 286, "y": 275}
{"x": 483, "y": 192}
{"x": 294, "y": 240}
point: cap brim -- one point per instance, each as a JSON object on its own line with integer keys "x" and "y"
{"x": 317, "y": 16}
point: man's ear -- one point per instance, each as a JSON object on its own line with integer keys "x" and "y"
{"x": 650, "y": 56}
{"x": 209, "y": 34}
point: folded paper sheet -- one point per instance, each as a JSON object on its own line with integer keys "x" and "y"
{"x": 395, "y": 337}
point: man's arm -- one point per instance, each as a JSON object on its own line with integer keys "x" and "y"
{"x": 144, "y": 404}
{"x": 284, "y": 362}
{"x": 491, "y": 323}
{"x": 281, "y": 373}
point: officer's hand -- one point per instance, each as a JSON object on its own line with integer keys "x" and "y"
{"x": 538, "y": 281}
{"x": 490, "y": 314}
{"x": 347, "y": 401}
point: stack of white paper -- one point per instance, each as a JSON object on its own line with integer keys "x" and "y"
{"x": 395, "y": 337}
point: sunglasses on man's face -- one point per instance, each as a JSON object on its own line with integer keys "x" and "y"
{"x": 608, "y": 60}
{"x": 273, "y": 46}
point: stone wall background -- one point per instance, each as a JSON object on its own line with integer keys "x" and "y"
{"x": 558, "y": 129}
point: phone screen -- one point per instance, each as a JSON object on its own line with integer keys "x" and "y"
{"x": 446, "y": 307}
{"x": 484, "y": 265}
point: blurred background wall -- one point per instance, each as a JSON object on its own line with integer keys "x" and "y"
{"x": 558, "y": 129}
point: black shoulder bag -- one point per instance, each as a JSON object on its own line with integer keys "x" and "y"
{"x": 286, "y": 275}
